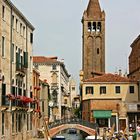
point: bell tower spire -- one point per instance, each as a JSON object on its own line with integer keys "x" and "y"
{"x": 93, "y": 9}
{"x": 93, "y": 54}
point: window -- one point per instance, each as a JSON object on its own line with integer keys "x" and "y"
{"x": 12, "y": 55}
{"x": 13, "y": 21}
{"x": 102, "y": 122}
{"x": 17, "y": 25}
{"x": 13, "y": 122}
{"x": 131, "y": 89}
{"x": 19, "y": 122}
{"x": 30, "y": 121}
{"x": 23, "y": 31}
{"x": 117, "y": 88}
{"x": 99, "y": 27}
{"x": 31, "y": 94}
{"x": 73, "y": 88}
{"x": 24, "y": 93}
{"x": 27, "y": 121}
{"x": 3, "y": 12}
{"x": 3, "y": 123}
{"x": 3, "y": 94}
{"x": 21, "y": 28}
{"x": 89, "y": 26}
{"x": 54, "y": 78}
{"x": 89, "y": 90}
{"x": 94, "y": 27}
{"x": 53, "y": 67}
{"x": 103, "y": 90}
{"x": 31, "y": 37}
{"x": 25, "y": 59}
{"x": 16, "y": 122}
{"x": 3, "y": 46}
{"x": 65, "y": 101}
{"x": 97, "y": 50}
{"x": 42, "y": 106}
{"x": 36, "y": 66}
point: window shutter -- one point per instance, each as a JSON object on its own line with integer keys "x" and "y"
{"x": 17, "y": 60}
{"x": 26, "y": 59}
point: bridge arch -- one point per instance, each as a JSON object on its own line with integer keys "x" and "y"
{"x": 56, "y": 130}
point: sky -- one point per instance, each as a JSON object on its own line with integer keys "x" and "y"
{"x": 58, "y": 30}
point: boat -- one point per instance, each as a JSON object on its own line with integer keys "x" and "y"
{"x": 59, "y": 138}
{"x": 93, "y": 138}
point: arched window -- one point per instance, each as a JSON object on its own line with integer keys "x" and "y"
{"x": 54, "y": 78}
{"x": 89, "y": 26}
{"x": 94, "y": 27}
{"x": 99, "y": 27}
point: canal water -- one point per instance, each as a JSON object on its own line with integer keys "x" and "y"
{"x": 72, "y": 136}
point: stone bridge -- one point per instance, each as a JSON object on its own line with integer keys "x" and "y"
{"x": 57, "y": 126}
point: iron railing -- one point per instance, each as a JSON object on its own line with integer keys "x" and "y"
{"x": 72, "y": 121}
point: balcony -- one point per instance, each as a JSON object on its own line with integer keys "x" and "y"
{"x": 54, "y": 86}
{"x": 20, "y": 69}
{"x": 20, "y": 101}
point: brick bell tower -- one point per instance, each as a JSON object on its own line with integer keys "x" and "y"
{"x": 93, "y": 51}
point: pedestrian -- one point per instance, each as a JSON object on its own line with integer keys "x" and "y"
{"x": 135, "y": 136}
{"x": 138, "y": 130}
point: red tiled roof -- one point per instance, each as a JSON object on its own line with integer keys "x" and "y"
{"x": 109, "y": 78}
{"x": 42, "y": 59}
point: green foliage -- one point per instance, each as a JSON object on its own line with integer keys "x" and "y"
{"x": 77, "y": 112}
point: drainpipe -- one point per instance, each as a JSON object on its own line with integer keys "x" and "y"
{"x": 138, "y": 90}
{"x": 28, "y": 65}
{"x": 11, "y": 33}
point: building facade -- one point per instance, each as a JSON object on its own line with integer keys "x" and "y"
{"x": 16, "y": 40}
{"x": 93, "y": 51}
{"x": 134, "y": 72}
{"x": 134, "y": 59}
{"x": 44, "y": 111}
{"x": 75, "y": 98}
{"x": 110, "y": 99}
{"x": 58, "y": 79}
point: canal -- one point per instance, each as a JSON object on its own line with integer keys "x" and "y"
{"x": 72, "y": 135}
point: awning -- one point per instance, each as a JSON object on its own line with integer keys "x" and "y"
{"x": 102, "y": 113}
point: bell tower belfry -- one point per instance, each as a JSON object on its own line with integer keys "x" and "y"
{"x": 93, "y": 52}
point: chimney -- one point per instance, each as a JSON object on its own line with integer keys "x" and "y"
{"x": 120, "y": 72}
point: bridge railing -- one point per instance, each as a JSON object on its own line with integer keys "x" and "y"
{"x": 72, "y": 121}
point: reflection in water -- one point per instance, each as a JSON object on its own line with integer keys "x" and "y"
{"x": 72, "y": 134}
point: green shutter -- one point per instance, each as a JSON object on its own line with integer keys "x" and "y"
{"x": 26, "y": 59}
{"x": 18, "y": 64}
{"x": 102, "y": 114}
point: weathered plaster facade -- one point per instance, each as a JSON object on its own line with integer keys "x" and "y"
{"x": 16, "y": 39}
{"x": 58, "y": 79}
{"x": 110, "y": 93}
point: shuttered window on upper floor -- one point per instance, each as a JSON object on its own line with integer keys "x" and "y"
{"x": 25, "y": 56}
{"x": 89, "y": 90}
{"x": 31, "y": 37}
{"x": 3, "y": 11}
